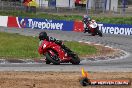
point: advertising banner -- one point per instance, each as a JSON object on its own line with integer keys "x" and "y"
{"x": 12, "y": 22}
{"x": 3, "y": 21}
{"x": 122, "y": 29}
{"x": 115, "y": 28}
{"x": 36, "y": 23}
{"x": 78, "y": 26}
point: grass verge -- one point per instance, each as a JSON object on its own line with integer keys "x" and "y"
{"x": 103, "y": 19}
{"x": 19, "y": 46}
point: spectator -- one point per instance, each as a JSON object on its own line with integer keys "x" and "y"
{"x": 25, "y": 3}
{"x": 33, "y": 6}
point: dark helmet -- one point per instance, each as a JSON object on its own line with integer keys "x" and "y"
{"x": 87, "y": 17}
{"x": 43, "y": 35}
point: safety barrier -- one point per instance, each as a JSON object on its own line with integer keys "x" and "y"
{"x": 3, "y": 21}
{"x": 121, "y": 29}
{"x": 36, "y": 23}
{"x": 46, "y": 24}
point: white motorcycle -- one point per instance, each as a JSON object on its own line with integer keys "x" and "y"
{"x": 92, "y": 27}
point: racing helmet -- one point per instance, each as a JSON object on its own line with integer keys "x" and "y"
{"x": 43, "y": 35}
{"x": 87, "y": 17}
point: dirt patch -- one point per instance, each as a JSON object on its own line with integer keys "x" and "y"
{"x": 56, "y": 79}
{"x": 104, "y": 52}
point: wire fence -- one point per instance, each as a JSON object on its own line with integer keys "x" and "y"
{"x": 12, "y": 6}
{"x": 78, "y": 10}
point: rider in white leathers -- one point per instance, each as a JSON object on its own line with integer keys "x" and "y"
{"x": 86, "y": 20}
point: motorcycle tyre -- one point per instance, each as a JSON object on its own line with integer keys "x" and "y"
{"x": 85, "y": 82}
{"x": 87, "y": 30}
{"x": 75, "y": 60}
{"x": 47, "y": 61}
{"x": 51, "y": 60}
{"x": 99, "y": 33}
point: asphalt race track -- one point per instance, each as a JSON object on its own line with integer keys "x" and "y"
{"x": 123, "y": 64}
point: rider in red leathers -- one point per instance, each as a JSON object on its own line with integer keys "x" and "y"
{"x": 55, "y": 51}
{"x": 43, "y": 35}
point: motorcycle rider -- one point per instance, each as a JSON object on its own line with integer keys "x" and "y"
{"x": 43, "y": 35}
{"x": 86, "y": 20}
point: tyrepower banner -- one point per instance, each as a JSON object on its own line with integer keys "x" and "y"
{"x": 122, "y": 29}
{"x": 36, "y": 23}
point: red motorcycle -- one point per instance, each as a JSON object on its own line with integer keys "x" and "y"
{"x": 57, "y": 54}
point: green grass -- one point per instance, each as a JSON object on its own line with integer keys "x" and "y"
{"x": 81, "y": 49}
{"x": 103, "y": 19}
{"x": 19, "y": 46}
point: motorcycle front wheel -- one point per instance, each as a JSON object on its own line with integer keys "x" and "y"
{"x": 53, "y": 58}
{"x": 47, "y": 61}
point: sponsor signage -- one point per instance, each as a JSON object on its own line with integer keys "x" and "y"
{"x": 78, "y": 26}
{"x": 35, "y": 23}
{"x": 110, "y": 82}
{"x": 12, "y": 22}
{"x": 85, "y": 81}
{"x": 122, "y": 29}
{"x": 3, "y": 21}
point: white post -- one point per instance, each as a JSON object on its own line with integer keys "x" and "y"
{"x": 114, "y": 4}
{"x": 87, "y": 6}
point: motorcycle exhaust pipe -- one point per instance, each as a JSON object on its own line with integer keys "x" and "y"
{"x": 85, "y": 81}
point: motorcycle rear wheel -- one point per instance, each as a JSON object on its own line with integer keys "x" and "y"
{"x": 75, "y": 60}
{"x": 54, "y": 59}
{"x": 99, "y": 33}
